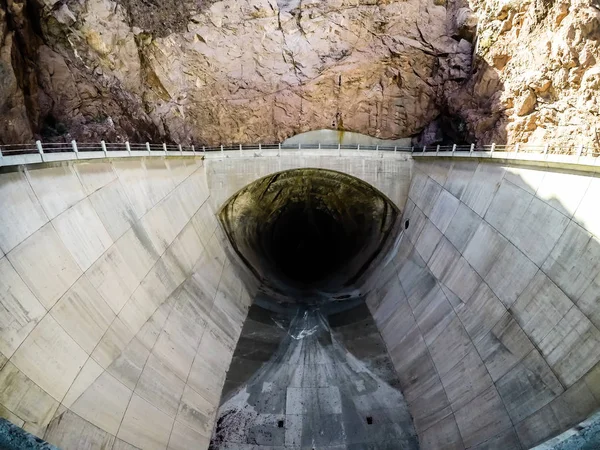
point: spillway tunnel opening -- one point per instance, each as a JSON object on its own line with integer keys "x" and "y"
{"x": 310, "y": 235}
{"x": 310, "y": 368}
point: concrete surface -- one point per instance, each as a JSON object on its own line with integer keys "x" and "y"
{"x": 334, "y": 137}
{"x": 305, "y": 378}
{"x": 491, "y": 310}
{"x": 121, "y": 308}
{"x": 119, "y": 302}
{"x": 120, "y": 311}
{"x": 388, "y": 172}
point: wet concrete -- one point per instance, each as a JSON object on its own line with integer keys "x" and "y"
{"x": 304, "y": 377}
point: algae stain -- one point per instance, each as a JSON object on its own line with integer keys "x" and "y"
{"x": 340, "y": 128}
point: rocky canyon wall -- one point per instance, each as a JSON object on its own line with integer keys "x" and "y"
{"x": 231, "y": 71}
{"x": 222, "y": 72}
{"x": 536, "y": 75}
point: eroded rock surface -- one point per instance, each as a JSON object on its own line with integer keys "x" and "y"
{"x": 232, "y": 71}
{"x": 536, "y": 77}
{"x": 227, "y": 71}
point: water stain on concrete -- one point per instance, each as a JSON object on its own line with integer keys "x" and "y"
{"x": 311, "y": 391}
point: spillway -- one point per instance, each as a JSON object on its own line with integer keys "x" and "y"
{"x": 299, "y": 301}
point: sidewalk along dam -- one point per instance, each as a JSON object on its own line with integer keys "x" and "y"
{"x": 297, "y": 302}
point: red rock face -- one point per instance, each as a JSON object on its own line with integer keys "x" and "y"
{"x": 230, "y": 71}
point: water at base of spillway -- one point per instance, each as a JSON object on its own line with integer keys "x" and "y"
{"x": 313, "y": 393}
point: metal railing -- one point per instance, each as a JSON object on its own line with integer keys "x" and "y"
{"x": 546, "y": 149}
{"x": 45, "y": 152}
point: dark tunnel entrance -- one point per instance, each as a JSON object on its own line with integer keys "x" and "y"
{"x": 310, "y": 369}
{"x": 308, "y": 244}
{"x": 310, "y": 235}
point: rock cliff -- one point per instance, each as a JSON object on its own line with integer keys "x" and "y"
{"x": 232, "y": 71}
{"x": 227, "y": 71}
{"x": 536, "y": 75}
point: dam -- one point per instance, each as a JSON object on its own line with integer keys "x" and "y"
{"x": 299, "y": 299}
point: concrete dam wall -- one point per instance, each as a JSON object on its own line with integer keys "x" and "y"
{"x": 391, "y": 173}
{"x": 127, "y": 319}
{"x": 120, "y": 310}
{"x": 491, "y": 312}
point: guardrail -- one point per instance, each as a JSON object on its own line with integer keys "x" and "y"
{"x": 546, "y": 149}
{"x": 11, "y": 155}
{"x": 574, "y": 157}
{"x": 38, "y": 152}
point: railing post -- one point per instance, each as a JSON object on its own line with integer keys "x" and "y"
{"x": 203, "y": 149}
{"x": 165, "y": 148}
{"x": 241, "y": 150}
{"x": 299, "y": 146}
{"x": 193, "y": 149}
{"x": 493, "y": 147}
{"x": 453, "y": 149}
{"x": 128, "y": 147}
{"x": 437, "y": 150}
{"x": 517, "y": 148}
{"x": 471, "y": 149}
{"x": 279, "y": 149}
{"x": 103, "y": 145}
{"x": 180, "y": 149}
{"x": 546, "y": 148}
{"x": 580, "y": 150}
{"x": 1, "y": 157}
{"x": 259, "y": 148}
{"x": 319, "y": 146}
{"x": 74, "y": 145}
{"x": 339, "y": 149}
{"x": 412, "y": 149}
{"x": 377, "y": 151}
{"x": 40, "y": 150}
{"x": 358, "y": 148}
{"x": 395, "y": 148}
{"x": 221, "y": 149}
{"x": 424, "y": 148}
{"x": 148, "y": 148}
